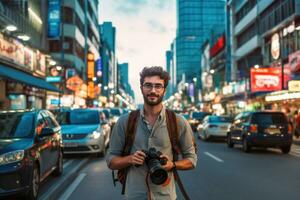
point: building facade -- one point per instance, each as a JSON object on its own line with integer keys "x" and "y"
{"x": 23, "y": 55}
{"x": 109, "y": 61}
{"x": 265, "y": 48}
{"x": 196, "y": 21}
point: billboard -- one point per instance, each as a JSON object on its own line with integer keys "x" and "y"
{"x": 53, "y": 18}
{"x": 266, "y": 79}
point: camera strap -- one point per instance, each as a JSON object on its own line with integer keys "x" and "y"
{"x": 129, "y": 139}
{"x": 174, "y": 138}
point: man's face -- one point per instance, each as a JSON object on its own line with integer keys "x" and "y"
{"x": 153, "y": 90}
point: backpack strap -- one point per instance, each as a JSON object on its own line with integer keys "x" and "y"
{"x": 172, "y": 126}
{"x": 129, "y": 138}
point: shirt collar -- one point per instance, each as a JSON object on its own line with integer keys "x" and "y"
{"x": 161, "y": 114}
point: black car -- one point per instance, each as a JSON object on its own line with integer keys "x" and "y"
{"x": 30, "y": 149}
{"x": 261, "y": 129}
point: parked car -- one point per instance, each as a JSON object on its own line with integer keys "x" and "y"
{"x": 84, "y": 132}
{"x": 261, "y": 129}
{"x": 214, "y": 127}
{"x": 115, "y": 113}
{"x": 30, "y": 150}
{"x": 196, "y": 119}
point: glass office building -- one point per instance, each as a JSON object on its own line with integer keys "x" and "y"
{"x": 197, "y": 21}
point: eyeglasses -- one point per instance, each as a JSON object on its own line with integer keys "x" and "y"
{"x": 158, "y": 87}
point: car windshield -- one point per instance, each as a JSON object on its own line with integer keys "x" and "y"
{"x": 106, "y": 112}
{"x": 84, "y": 117}
{"x": 269, "y": 118}
{"x": 79, "y": 117}
{"x": 16, "y": 125}
{"x": 220, "y": 119}
{"x": 199, "y": 115}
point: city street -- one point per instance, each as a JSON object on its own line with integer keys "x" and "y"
{"x": 221, "y": 173}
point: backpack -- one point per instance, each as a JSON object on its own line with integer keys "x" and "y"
{"x": 129, "y": 140}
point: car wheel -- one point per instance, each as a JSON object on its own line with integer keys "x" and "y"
{"x": 285, "y": 149}
{"x": 34, "y": 185}
{"x": 59, "y": 166}
{"x": 205, "y": 136}
{"x": 229, "y": 141}
{"x": 246, "y": 146}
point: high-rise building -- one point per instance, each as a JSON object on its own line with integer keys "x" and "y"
{"x": 124, "y": 88}
{"x": 107, "y": 51}
{"x": 79, "y": 35}
{"x": 74, "y": 42}
{"x": 197, "y": 20}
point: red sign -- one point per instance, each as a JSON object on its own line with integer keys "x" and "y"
{"x": 218, "y": 46}
{"x": 74, "y": 83}
{"x": 266, "y": 79}
{"x": 294, "y": 61}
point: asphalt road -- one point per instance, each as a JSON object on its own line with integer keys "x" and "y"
{"x": 221, "y": 174}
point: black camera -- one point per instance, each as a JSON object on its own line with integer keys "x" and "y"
{"x": 154, "y": 162}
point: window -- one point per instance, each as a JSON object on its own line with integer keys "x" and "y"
{"x": 244, "y": 10}
{"x": 16, "y": 125}
{"x": 54, "y": 45}
{"x": 269, "y": 118}
{"x": 68, "y": 15}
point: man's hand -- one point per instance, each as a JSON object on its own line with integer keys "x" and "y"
{"x": 137, "y": 158}
{"x": 169, "y": 165}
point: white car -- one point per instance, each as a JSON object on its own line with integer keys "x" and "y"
{"x": 214, "y": 126}
{"x": 84, "y": 131}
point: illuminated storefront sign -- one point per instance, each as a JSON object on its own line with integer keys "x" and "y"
{"x": 53, "y": 18}
{"x": 91, "y": 74}
{"x": 74, "y": 83}
{"x": 294, "y": 61}
{"x": 282, "y": 95}
{"x": 13, "y": 50}
{"x": 218, "y": 46}
{"x": 265, "y": 79}
{"x": 294, "y": 86}
{"x": 275, "y": 46}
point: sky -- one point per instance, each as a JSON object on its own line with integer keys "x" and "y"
{"x": 144, "y": 31}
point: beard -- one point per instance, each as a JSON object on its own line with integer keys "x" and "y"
{"x": 151, "y": 102}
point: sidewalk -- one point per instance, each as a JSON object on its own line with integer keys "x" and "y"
{"x": 296, "y": 140}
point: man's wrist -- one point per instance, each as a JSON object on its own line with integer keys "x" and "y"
{"x": 174, "y": 165}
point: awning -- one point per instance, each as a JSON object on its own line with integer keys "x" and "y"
{"x": 22, "y": 77}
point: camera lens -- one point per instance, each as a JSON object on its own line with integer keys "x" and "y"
{"x": 159, "y": 176}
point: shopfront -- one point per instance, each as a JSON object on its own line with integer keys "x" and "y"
{"x": 22, "y": 76}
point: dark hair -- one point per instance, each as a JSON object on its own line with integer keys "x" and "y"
{"x": 155, "y": 71}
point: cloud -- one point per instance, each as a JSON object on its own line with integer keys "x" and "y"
{"x": 157, "y": 26}
{"x": 129, "y": 7}
{"x": 161, "y": 4}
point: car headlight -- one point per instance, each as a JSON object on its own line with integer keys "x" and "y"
{"x": 11, "y": 157}
{"x": 95, "y": 135}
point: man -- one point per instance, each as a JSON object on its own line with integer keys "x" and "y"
{"x": 151, "y": 131}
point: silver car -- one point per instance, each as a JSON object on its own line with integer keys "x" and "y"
{"x": 83, "y": 131}
{"x": 214, "y": 127}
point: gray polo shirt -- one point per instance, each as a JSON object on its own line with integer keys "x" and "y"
{"x": 146, "y": 137}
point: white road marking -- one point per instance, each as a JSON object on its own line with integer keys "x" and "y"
{"x": 213, "y": 157}
{"x": 66, "y": 164}
{"x": 72, "y": 187}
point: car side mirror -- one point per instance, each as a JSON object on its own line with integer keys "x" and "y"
{"x": 46, "y": 131}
